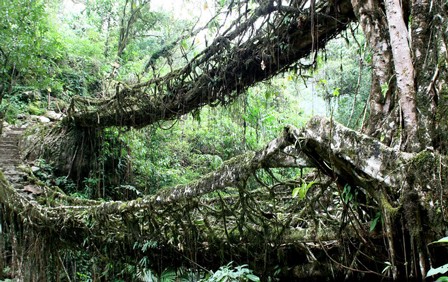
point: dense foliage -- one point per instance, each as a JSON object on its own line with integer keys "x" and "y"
{"x": 47, "y": 56}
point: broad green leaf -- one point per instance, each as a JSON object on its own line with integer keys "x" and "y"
{"x": 375, "y": 221}
{"x": 168, "y": 275}
{"x": 253, "y": 277}
{"x": 302, "y": 190}
{"x": 443, "y": 240}
{"x": 439, "y": 270}
{"x": 295, "y": 192}
{"x": 336, "y": 92}
{"x": 310, "y": 184}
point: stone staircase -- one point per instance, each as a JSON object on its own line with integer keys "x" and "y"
{"x": 10, "y": 156}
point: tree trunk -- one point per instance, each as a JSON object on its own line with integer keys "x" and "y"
{"x": 404, "y": 72}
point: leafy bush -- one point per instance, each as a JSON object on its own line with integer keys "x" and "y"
{"x": 35, "y": 109}
{"x": 228, "y": 273}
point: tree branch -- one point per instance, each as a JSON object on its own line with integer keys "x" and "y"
{"x": 223, "y": 71}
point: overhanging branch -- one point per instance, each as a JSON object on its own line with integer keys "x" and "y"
{"x": 224, "y": 70}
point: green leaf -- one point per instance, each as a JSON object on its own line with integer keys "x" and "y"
{"x": 253, "y": 277}
{"x": 295, "y": 192}
{"x": 384, "y": 89}
{"x": 336, "y": 92}
{"x": 199, "y": 222}
{"x": 387, "y": 267}
{"x": 168, "y": 275}
{"x": 184, "y": 44}
{"x": 222, "y": 3}
{"x": 302, "y": 190}
{"x": 323, "y": 81}
{"x": 375, "y": 221}
{"x": 443, "y": 240}
{"x": 347, "y": 194}
{"x": 439, "y": 270}
{"x": 442, "y": 279}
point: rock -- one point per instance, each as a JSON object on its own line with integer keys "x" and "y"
{"x": 36, "y": 190}
{"x": 52, "y": 115}
{"x": 35, "y": 169}
{"x": 29, "y": 96}
{"x": 41, "y": 119}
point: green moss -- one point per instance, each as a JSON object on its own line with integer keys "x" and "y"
{"x": 388, "y": 208}
{"x": 239, "y": 160}
{"x": 422, "y": 157}
{"x": 422, "y": 166}
{"x": 123, "y": 206}
{"x": 296, "y": 235}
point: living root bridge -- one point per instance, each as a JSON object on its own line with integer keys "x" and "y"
{"x": 221, "y": 211}
{"x": 219, "y": 74}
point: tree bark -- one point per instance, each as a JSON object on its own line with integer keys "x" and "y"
{"x": 404, "y": 71}
{"x": 382, "y": 93}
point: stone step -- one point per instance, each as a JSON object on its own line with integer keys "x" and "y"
{"x": 8, "y": 140}
{"x": 15, "y": 179}
{"x": 12, "y": 170}
{"x": 8, "y": 146}
{"x": 10, "y": 157}
{"x": 6, "y": 155}
{"x": 11, "y": 134}
{"x": 7, "y": 158}
{"x": 10, "y": 154}
{"x": 21, "y": 129}
{"x": 8, "y": 149}
{"x": 7, "y": 162}
{"x": 7, "y": 168}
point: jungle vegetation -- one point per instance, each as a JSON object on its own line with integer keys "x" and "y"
{"x": 224, "y": 140}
